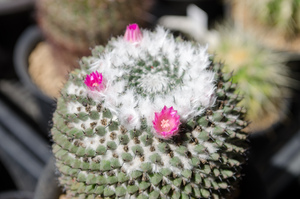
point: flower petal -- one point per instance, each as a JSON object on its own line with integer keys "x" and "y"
{"x": 166, "y": 123}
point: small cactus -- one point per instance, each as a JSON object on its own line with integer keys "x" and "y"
{"x": 262, "y": 74}
{"x": 149, "y": 116}
{"x": 74, "y": 26}
{"x": 277, "y": 21}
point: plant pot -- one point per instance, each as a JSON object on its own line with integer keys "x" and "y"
{"x": 16, "y": 195}
{"x": 6, "y": 182}
{"x": 10, "y": 7}
{"x": 47, "y": 187}
{"x": 23, "y": 151}
{"x": 251, "y": 181}
{"x": 265, "y": 143}
{"x": 275, "y": 152}
{"x": 25, "y": 45}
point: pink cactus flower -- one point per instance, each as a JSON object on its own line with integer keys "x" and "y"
{"x": 133, "y": 33}
{"x": 166, "y": 123}
{"x": 94, "y": 81}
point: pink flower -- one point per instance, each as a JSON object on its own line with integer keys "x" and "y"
{"x": 166, "y": 123}
{"x": 133, "y": 33}
{"x": 94, "y": 81}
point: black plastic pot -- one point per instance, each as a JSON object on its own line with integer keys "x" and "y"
{"x": 252, "y": 184}
{"x": 25, "y": 44}
{"x": 23, "y": 151}
{"x": 9, "y": 7}
{"x": 16, "y": 195}
{"x": 47, "y": 187}
{"x": 276, "y": 151}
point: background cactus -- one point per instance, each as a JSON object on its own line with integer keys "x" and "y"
{"x": 263, "y": 76}
{"x": 279, "y": 14}
{"x": 277, "y": 21}
{"x": 73, "y": 26}
{"x": 149, "y": 116}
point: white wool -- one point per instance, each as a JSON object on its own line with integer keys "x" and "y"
{"x": 91, "y": 142}
{"x": 129, "y": 118}
{"x": 73, "y": 89}
{"x": 72, "y": 107}
{"x": 210, "y": 147}
{"x": 190, "y": 60}
{"x": 153, "y": 82}
{"x": 145, "y": 107}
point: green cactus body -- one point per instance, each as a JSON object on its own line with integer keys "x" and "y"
{"x": 73, "y": 26}
{"x": 105, "y": 142}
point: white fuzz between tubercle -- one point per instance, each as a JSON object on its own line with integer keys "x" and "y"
{"x": 187, "y": 61}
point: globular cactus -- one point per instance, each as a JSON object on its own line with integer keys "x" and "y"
{"x": 278, "y": 21}
{"x": 149, "y": 116}
{"x": 263, "y": 76}
{"x": 73, "y": 26}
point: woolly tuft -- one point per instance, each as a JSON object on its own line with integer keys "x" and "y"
{"x": 187, "y": 64}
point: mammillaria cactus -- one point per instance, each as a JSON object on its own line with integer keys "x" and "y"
{"x": 149, "y": 116}
{"x": 73, "y": 26}
{"x": 277, "y": 22}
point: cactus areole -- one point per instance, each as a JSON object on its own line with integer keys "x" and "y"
{"x": 149, "y": 116}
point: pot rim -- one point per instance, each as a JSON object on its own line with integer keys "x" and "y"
{"x": 10, "y": 7}
{"x": 24, "y": 46}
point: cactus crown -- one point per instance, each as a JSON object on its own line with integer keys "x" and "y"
{"x": 155, "y": 72}
{"x": 149, "y": 117}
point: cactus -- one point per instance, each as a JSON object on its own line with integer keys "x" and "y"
{"x": 281, "y": 15}
{"x": 73, "y": 26}
{"x": 262, "y": 74}
{"x": 149, "y": 116}
{"x": 277, "y": 21}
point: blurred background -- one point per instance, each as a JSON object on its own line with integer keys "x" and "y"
{"x": 42, "y": 40}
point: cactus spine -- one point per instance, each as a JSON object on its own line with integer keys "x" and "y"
{"x": 149, "y": 117}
